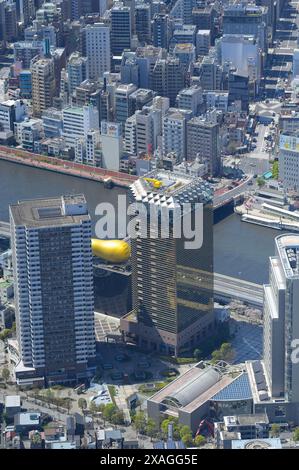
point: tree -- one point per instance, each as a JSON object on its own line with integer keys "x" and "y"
{"x": 261, "y": 182}
{"x": 151, "y": 428}
{"x": 275, "y": 430}
{"x": 82, "y": 403}
{"x": 118, "y": 417}
{"x": 275, "y": 170}
{"x": 140, "y": 422}
{"x": 176, "y": 427}
{"x": 197, "y": 354}
{"x": 296, "y": 435}
{"x": 199, "y": 440}
{"x": 187, "y": 438}
{"x": 108, "y": 411}
{"x": 5, "y": 334}
{"x": 227, "y": 352}
{"x": 5, "y": 374}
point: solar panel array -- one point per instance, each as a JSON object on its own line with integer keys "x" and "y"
{"x": 239, "y": 389}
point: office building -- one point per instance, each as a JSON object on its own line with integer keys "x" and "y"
{"x": 111, "y": 145}
{"x": 238, "y": 88}
{"x": 186, "y": 54}
{"x": 148, "y": 129}
{"x": 88, "y": 149}
{"x": 28, "y": 133}
{"x": 25, "y": 51}
{"x": 211, "y": 74}
{"x": 203, "y": 42}
{"x": 11, "y": 111}
{"x": 123, "y": 105}
{"x": 25, "y": 84}
{"x": 140, "y": 98}
{"x": 143, "y": 22}
{"x": 162, "y": 29}
{"x": 120, "y": 29}
{"x": 8, "y": 21}
{"x": 246, "y": 19}
{"x": 168, "y": 78}
{"x": 77, "y": 70}
{"x": 171, "y": 310}
{"x": 52, "y": 122}
{"x": 41, "y": 32}
{"x": 295, "y": 68}
{"x": 146, "y": 59}
{"x": 77, "y": 121}
{"x": 281, "y": 303}
{"x": 52, "y": 262}
{"x": 205, "y": 19}
{"x": 244, "y": 54}
{"x": 289, "y": 160}
{"x": 183, "y": 34}
{"x": 191, "y": 99}
{"x": 130, "y": 136}
{"x": 97, "y": 49}
{"x": 203, "y": 142}
{"x": 43, "y": 85}
{"x": 175, "y": 132}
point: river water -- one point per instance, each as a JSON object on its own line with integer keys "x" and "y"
{"x": 241, "y": 250}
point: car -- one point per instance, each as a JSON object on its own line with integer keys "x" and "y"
{"x": 254, "y": 139}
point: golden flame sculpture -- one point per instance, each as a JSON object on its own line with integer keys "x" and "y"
{"x": 114, "y": 251}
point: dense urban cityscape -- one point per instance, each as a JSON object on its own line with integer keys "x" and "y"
{"x": 149, "y": 226}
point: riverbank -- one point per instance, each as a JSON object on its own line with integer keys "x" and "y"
{"x": 57, "y": 165}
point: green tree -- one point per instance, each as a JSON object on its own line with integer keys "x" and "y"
{"x": 227, "y": 352}
{"x": 140, "y": 422}
{"x": 108, "y": 411}
{"x": 187, "y": 438}
{"x": 5, "y": 334}
{"x": 296, "y": 435}
{"x": 275, "y": 430}
{"x": 176, "y": 427}
{"x": 82, "y": 403}
{"x": 118, "y": 417}
{"x": 197, "y": 354}
{"x": 199, "y": 440}
{"x": 151, "y": 428}
{"x": 5, "y": 374}
{"x": 275, "y": 170}
{"x": 261, "y": 182}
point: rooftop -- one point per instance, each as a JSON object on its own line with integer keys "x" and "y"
{"x": 171, "y": 189}
{"x": 192, "y": 389}
{"x": 288, "y": 249}
{"x": 12, "y": 401}
{"x": 239, "y": 389}
{"x": 67, "y": 210}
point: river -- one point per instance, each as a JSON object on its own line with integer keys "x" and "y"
{"x": 240, "y": 249}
